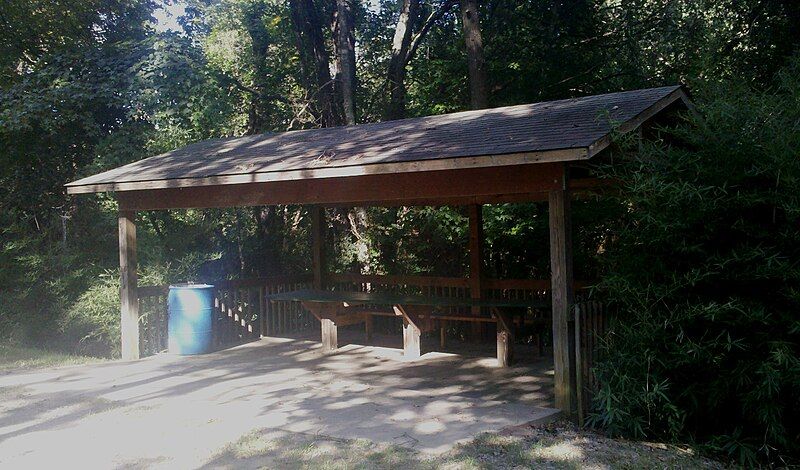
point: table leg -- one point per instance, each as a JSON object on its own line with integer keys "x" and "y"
{"x": 442, "y": 334}
{"x": 368, "y": 328}
{"x": 505, "y": 338}
{"x": 504, "y": 349}
{"x": 413, "y": 326}
{"x": 411, "y": 340}
{"x": 329, "y": 336}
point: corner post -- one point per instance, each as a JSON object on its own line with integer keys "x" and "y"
{"x": 561, "y": 284}
{"x": 128, "y": 293}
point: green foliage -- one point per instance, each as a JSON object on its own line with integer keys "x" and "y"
{"x": 698, "y": 252}
{"x": 94, "y": 318}
{"x": 92, "y": 321}
{"x": 704, "y": 272}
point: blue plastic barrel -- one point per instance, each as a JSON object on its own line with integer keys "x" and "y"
{"x": 191, "y": 314}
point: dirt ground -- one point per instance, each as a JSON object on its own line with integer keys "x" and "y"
{"x": 186, "y": 412}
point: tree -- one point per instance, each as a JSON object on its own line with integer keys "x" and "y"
{"x": 346, "y": 58}
{"x": 478, "y": 92}
{"x": 396, "y": 75}
{"x": 260, "y": 41}
{"x": 404, "y": 46}
{"x": 315, "y": 62}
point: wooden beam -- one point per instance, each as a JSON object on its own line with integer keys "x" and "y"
{"x": 488, "y": 199}
{"x": 129, "y": 300}
{"x": 580, "y": 188}
{"x": 459, "y": 282}
{"x": 355, "y": 190}
{"x": 562, "y": 294}
{"x": 318, "y": 244}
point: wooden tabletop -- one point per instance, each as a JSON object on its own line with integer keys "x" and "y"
{"x": 380, "y": 298}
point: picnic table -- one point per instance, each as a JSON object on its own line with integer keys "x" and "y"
{"x": 419, "y": 314}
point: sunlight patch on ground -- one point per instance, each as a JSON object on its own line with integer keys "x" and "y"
{"x": 559, "y": 452}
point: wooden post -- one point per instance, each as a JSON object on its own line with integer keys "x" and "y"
{"x": 561, "y": 289}
{"x": 317, "y": 252}
{"x": 476, "y": 262}
{"x": 505, "y": 338}
{"x": 128, "y": 291}
{"x": 330, "y": 340}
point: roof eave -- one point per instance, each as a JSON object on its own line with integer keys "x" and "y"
{"x": 559, "y": 155}
{"x": 679, "y": 94}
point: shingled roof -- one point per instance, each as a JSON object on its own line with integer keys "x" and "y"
{"x": 564, "y": 130}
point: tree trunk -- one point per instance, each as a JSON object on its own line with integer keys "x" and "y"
{"x": 409, "y": 10}
{"x": 404, "y": 46}
{"x": 259, "y": 37}
{"x": 315, "y": 60}
{"x": 346, "y": 58}
{"x": 477, "y": 64}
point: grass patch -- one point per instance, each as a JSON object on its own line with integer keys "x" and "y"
{"x": 557, "y": 445}
{"x": 20, "y": 358}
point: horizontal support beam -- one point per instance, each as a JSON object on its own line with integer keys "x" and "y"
{"x": 401, "y": 188}
{"x": 355, "y": 278}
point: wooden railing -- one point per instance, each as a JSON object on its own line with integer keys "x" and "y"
{"x": 152, "y": 319}
{"x": 591, "y": 328}
{"x": 242, "y": 312}
{"x": 520, "y": 289}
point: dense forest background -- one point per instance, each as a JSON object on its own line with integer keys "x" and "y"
{"x": 697, "y": 251}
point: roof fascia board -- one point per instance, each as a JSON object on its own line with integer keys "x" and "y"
{"x": 678, "y": 95}
{"x": 562, "y": 155}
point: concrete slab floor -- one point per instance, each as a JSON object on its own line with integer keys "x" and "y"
{"x": 175, "y": 411}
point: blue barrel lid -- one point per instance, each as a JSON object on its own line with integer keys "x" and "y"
{"x": 190, "y": 285}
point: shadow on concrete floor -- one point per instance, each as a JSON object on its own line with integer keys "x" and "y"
{"x": 181, "y": 410}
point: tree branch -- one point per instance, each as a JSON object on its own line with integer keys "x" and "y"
{"x": 435, "y": 15}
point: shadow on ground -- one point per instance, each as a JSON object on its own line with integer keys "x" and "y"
{"x": 168, "y": 411}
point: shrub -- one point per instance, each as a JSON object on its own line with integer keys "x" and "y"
{"x": 92, "y": 322}
{"x": 704, "y": 271}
